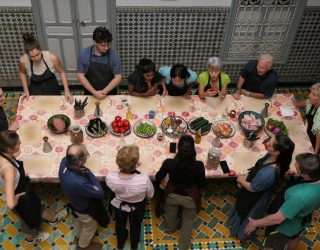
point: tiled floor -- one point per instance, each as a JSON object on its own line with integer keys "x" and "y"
{"x": 210, "y": 228}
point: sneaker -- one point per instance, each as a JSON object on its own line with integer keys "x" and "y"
{"x": 60, "y": 216}
{"x": 39, "y": 238}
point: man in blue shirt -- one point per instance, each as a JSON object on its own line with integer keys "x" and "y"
{"x": 99, "y": 66}
{"x": 85, "y": 194}
{"x": 257, "y": 79}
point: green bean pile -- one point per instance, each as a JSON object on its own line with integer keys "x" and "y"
{"x": 146, "y": 129}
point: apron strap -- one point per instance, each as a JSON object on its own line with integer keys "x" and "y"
{"x": 31, "y": 64}
{"x": 14, "y": 163}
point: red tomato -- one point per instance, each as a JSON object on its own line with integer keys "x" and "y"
{"x": 123, "y": 130}
{"x": 125, "y": 123}
{"x": 118, "y": 118}
{"x": 270, "y": 127}
{"x": 119, "y": 124}
{"x": 127, "y": 128}
{"x": 116, "y": 130}
{"x": 114, "y": 124}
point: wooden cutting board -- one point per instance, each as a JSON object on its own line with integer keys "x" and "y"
{"x": 48, "y": 103}
{"x": 177, "y": 103}
{"x": 143, "y": 103}
{"x": 38, "y": 165}
{"x": 145, "y": 163}
{"x": 219, "y": 105}
{"x": 242, "y": 161}
{"x": 253, "y": 104}
{"x": 30, "y": 133}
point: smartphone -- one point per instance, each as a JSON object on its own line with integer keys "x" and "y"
{"x": 224, "y": 167}
{"x": 173, "y": 147}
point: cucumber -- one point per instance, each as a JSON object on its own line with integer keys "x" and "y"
{"x": 201, "y": 124}
{"x": 195, "y": 121}
{"x": 206, "y": 128}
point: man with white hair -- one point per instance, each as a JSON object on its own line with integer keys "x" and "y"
{"x": 257, "y": 79}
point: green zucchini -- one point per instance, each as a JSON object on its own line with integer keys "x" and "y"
{"x": 195, "y": 121}
{"x": 201, "y": 124}
{"x": 206, "y": 128}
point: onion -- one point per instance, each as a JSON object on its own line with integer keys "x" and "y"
{"x": 276, "y": 130}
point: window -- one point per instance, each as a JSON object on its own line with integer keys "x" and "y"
{"x": 261, "y": 26}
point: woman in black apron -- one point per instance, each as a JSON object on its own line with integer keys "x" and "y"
{"x": 144, "y": 80}
{"x": 45, "y": 83}
{"x": 213, "y": 72}
{"x": 129, "y": 204}
{"x": 256, "y": 188}
{"x": 312, "y": 115}
{"x": 19, "y": 194}
{"x": 178, "y": 83}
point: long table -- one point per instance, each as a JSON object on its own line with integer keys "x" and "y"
{"x": 43, "y": 167}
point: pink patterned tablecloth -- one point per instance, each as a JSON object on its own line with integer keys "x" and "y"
{"x": 34, "y": 113}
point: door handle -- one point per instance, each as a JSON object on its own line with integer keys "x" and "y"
{"x": 83, "y": 23}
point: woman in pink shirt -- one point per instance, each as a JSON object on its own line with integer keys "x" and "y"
{"x": 131, "y": 189}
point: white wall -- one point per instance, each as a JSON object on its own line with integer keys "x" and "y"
{"x": 174, "y": 3}
{"x": 15, "y": 3}
{"x": 27, "y": 3}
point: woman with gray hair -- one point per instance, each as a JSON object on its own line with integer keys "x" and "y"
{"x": 312, "y": 105}
{"x": 213, "y": 82}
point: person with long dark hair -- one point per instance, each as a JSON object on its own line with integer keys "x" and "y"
{"x": 18, "y": 192}
{"x": 182, "y": 193}
{"x": 145, "y": 79}
{"x": 285, "y": 225}
{"x": 177, "y": 80}
{"x": 40, "y": 66}
{"x": 255, "y": 188}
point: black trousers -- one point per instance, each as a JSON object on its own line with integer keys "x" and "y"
{"x": 135, "y": 219}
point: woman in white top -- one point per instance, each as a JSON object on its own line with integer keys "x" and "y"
{"x": 18, "y": 193}
{"x": 131, "y": 189}
{"x": 40, "y": 67}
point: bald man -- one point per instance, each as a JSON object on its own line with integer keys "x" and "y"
{"x": 85, "y": 194}
{"x": 257, "y": 79}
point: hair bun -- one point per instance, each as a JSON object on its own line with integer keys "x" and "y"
{"x": 27, "y": 37}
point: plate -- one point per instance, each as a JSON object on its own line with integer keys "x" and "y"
{"x": 64, "y": 118}
{"x": 138, "y": 123}
{"x": 119, "y": 134}
{"x": 172, "y": 128}
{"x": 97, "y": 135}
{"x": 216, "y": 123}
{"x": 257, "y": 116}
{"x": 193, "y": 131}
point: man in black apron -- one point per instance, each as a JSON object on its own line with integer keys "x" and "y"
{"x": 85, "y": 194}
{"x": 99, "y": 67}
{"x": 257, "y": 79}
